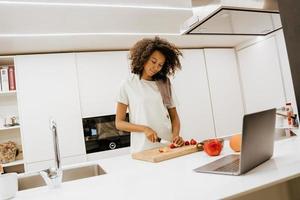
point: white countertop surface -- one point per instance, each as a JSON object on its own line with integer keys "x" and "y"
{"x": 174, "y": 179}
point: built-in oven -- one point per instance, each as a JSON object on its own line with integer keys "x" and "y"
{"x": 101, "y": 134}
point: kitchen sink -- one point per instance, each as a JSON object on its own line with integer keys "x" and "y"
{"x": 70, "y": 174}
{"x": 82, "y": 172}
{"x": 30, "y": 181}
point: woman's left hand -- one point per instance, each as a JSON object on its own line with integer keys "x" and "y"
{"x": 178, "y": 140}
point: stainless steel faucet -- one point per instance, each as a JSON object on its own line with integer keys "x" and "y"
{"x": 53, "y": 175}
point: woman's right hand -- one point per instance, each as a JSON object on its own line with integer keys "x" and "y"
{"x": 150, "y": 134}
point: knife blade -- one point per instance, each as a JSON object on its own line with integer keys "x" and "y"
{"x": 163, "y": 141}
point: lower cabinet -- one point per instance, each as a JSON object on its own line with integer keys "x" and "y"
{"x": 48, "y": 88}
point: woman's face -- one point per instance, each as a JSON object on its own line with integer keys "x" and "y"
{"x": 153, "y": 65}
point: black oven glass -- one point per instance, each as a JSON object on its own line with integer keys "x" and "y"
{"x": 101, "y": 134}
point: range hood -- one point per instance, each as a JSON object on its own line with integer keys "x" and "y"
{"x": 233, "y": 17}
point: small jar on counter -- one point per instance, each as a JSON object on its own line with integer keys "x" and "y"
{"x": 290, "y": 113}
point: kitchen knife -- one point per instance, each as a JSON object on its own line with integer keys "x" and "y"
{"x": 163, "y": 141}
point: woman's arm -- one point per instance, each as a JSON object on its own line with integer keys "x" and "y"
{"x": 175, "y": 126}
{"x": 123, "y": 125}
{"x": 175, "y": 121}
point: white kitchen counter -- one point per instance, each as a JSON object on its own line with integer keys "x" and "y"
{"x": 174, "y": 179}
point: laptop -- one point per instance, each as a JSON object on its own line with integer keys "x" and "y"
{"x": 256, "y": 148}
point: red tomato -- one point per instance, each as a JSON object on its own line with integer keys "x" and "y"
{"x": 172, "y": 146}
{"x": 186, "y": 143}
{"x": 193, "y": 142}
{"x": 213, "y": 147}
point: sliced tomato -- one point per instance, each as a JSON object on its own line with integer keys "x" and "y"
{"x": 193, "y": 142}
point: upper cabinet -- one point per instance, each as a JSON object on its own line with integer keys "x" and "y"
{"x": 261, "y": 76}
{"x": 192, "y": 92}
{"x": 48, "y": 88}
{"x": 100, "y": 75}
{"x": 224, "y": 85}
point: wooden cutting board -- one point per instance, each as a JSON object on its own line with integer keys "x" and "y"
{"x": 153, "y": 155}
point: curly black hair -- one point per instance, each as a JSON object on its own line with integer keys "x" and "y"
{"x": 142, "y": 50}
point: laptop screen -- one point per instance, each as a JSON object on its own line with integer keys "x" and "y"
{"x": 258, "y": 139}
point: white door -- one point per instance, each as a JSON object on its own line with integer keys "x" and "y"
{"x": 48, "y": 87}
{"x": 191, "y": 88}
{"x": 261, "y": 76}
{"x": 225, "y": 90}
{"x": 100, "y": 75}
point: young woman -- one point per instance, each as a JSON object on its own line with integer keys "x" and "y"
{"x": 148, "y": 95}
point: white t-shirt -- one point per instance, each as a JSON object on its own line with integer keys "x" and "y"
{"x": 145, "y": 107}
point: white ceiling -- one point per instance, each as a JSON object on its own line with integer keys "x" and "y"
{"x": 91, "y": 25}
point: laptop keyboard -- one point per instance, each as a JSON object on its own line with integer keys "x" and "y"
{"x": 230, "y": 167}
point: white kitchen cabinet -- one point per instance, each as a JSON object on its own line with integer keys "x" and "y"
{"x": 100, "y": 75}
{"x": 286, "y": 70}
{"x": 224, "y": 85}
{"x": 48, "y": 88}
{"x": 108, "y": 154}
{"x": 261, "y": 76}
{"x": 192, "y": 92}
{"x": 37, "y": 166}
